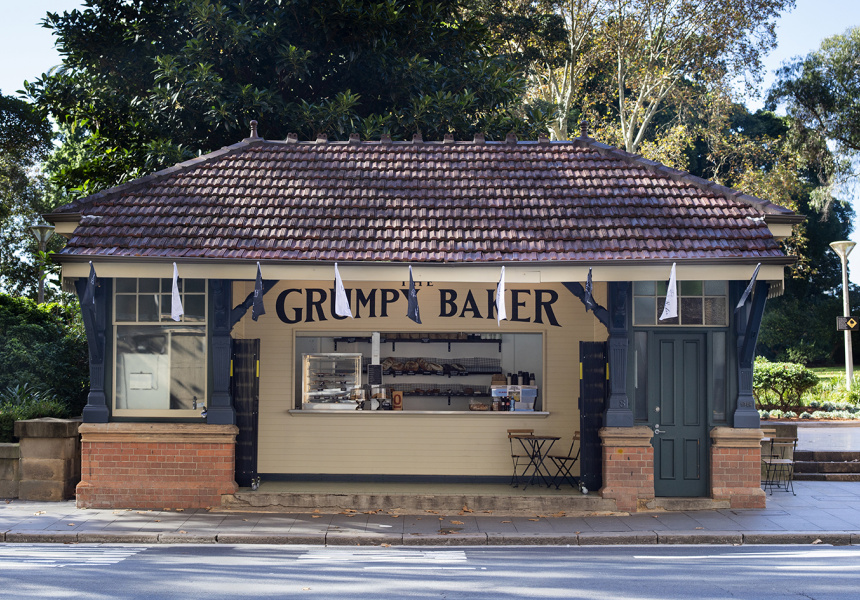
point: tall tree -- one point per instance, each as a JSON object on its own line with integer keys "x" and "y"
{"x": 822, "y": 90}
{"x": 153, "y": 81}
{"x": 821, "y": 94}
{"x": 25, "y": 139}
{"x": 653, "y": 50}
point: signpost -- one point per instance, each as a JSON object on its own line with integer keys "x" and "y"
{"x": 847, "y": 324}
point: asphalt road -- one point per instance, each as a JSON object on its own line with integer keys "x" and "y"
{"x": 601, "y": 573}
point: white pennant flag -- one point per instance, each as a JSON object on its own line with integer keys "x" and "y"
{"x": 176, "y": 311}
{"x": 670, "y": 309}
{"x": 501, "y": 311}
{"x": 341, "y": 302}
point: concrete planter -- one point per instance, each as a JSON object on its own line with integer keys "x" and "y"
{"x": 50, "y": 458}
{"x": 10, "y": 470}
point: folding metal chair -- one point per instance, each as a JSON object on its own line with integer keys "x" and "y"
{"x": 519, "y": 457}
{"x": 564, "y": 465}
{"x": 779, "y": 465}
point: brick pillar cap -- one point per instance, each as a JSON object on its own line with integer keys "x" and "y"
{"x": 729, "y": 437}
{"x": 626, "y": 436}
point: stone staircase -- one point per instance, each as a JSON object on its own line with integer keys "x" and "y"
{"x": 821, "y": 465}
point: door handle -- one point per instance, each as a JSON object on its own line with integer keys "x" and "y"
{"x": 657, "y": 430}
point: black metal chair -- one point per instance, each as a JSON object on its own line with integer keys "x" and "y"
{"x": 519, "y": 457}
{"x": 564, "y": 465}
{"x": 779, "y": 465}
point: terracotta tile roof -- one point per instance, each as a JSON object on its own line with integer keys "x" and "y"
{"x": 422, "y": 202}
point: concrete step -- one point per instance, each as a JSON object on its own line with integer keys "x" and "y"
{"x": 826, "y": 456}
{"x": 821, "y": 465}
{"x": 826, "y": 467}
{"x": 498, "y": 504}
{"x": 827, "y": 476}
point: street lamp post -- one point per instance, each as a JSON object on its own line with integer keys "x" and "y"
{"x": 42, "y": 234}
{"x": 843, "y": 249}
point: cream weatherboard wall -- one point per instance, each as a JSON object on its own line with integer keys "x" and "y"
{"x": 397, "y": 442}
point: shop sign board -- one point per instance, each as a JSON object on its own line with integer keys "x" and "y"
{"x": 309, "y": 305}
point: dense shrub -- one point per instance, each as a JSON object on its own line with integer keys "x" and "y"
{"x": 780, "y": 386}
{"x": 21, "y": 402}
{"x": 44, "y": 348}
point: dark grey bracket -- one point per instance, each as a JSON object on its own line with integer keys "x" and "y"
{"x": 577, "y": 290}
{"x": 95, "y": 324}
{"x": 748, "y": 322}
{"x": 239, "y": 311}
{"x": 618, "y": 412}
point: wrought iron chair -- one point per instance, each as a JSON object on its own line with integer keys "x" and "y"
{"x": 564, "y": 465}
{"x": 779, "y": 465}
{"x": 519, "y": 457}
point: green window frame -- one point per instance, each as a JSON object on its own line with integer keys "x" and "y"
{"x": 160, "y": 365}
{"x": 700, "y": 304}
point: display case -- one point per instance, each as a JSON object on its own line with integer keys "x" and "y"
{"x": 330, "y": 381}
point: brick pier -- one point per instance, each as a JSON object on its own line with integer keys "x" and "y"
{"x": 156, "y": 465}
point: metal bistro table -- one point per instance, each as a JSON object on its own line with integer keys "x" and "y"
{"x": 537, "y": 447}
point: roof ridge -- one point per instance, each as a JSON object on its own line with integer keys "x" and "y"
{"x": 654, "y": 167}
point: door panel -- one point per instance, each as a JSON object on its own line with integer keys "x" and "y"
{"x": 592, "y": 403}
{"x": 677, "y": 409}
{"x": 245, "y": 392}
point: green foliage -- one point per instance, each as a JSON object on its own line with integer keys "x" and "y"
{"x": 25, "y": 138}
{"x": 780, "y": 386}
{"x": 156, "y": 81}
{"x": 822, "y": 90}
{"x": 44, "y": 348}
{"x": 800, "y": 330}
{"x": 21, "y": 402}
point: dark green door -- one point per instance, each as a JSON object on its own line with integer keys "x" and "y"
{"x": 677, "y": 409}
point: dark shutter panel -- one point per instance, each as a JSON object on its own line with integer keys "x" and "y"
{"x": 246, "y": 401}
{"x": 592, "y": 404}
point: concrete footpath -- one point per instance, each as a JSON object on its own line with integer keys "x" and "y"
{"x": 823, "y": 512}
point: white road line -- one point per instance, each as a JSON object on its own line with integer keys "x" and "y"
{"x": 392, "y": 555}
{"x": 18, "y": 555}
{"x": 801, "y": 554}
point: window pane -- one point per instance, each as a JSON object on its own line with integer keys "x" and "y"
{"x": 166, "y": 307}
{"x": 691, "y": 311}
{"x": 167, "y": 285}
{"x": 644, "y": 288}
{"x": 187, "y": 369}
{"x": 160, "y": 367}
{"x": 640, "y": 397}
{"x": 126, "y": 308}
{"x": 719, "y": 370}
{"x": 643, "y": 310}
{"x": 147, "y": 307}
{"x": 690, "y": 288}
{"x": 194, "y": 285}
{"x": 195, "y": 307}
{"x": 715, "y": 311}
{"x": 662, "y": 286}
{"x": 660, "y": 303}
{"x": 126, "y": 284}
{"x": 147, "y": 285}
{"x": 142, "y": 368}
{"x": 715, "y": 288}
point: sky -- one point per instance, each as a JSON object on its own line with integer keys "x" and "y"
{"x": 27, "y": 50}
